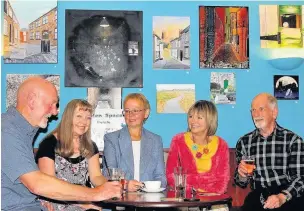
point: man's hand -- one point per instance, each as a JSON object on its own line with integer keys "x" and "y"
{"x": 47, "y": 205}
{"x": 242, "y": 170}
{"x": 134, "y": 185}
{"x": 275, "y": 201}
{"x": 109, "y": 190}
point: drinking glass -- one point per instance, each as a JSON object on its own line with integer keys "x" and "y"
{"x": 114, "y": 174}
{"x": 180, "y": 181}
{"x": 122, "y": 178}
{"x": 249, "y": 164}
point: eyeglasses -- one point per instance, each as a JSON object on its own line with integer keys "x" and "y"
{"x": 135, "y": 111}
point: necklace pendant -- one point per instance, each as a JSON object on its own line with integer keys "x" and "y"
{"x": 198, "y": 155}
{"x": 205, "y": 150}
{"x": 194, "y": 147}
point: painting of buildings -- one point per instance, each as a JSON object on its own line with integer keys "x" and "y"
{"x": 224, "y": 37}
{"x": 281, "y": 26}
{"x": 171, "y": 42}
{"x": 30, "y": 32}
{"x": 222, "y": 87}
{"x": 103, "y": 48}
{"x": 286, "y": 87}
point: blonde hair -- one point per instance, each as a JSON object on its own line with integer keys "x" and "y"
{"x": 64, "y": 131}
{"x": 138, "y": 96}
{"x": 209, "y": 111}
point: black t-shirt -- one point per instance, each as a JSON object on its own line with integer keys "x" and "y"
{"x": 47, "y": 149}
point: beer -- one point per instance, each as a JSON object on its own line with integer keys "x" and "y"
{"x": 249, "y": 164}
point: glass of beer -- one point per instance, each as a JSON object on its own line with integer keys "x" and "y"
{"x": 249, "y": 164}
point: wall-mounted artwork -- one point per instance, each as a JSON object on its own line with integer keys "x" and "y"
{"x": 223, "y": 37}
{"x": 286, "y": 87}
{"x": 171, "y": 42}
{"x": 13, "y": 82}
{"x": 281, "y": 26}
{"x": 222, "y": 88}
{"x": 175, "y": 98}
{"x": 103, "y": 48}
{"x": 102, "y": 98}
{"x": 30, "y": 31}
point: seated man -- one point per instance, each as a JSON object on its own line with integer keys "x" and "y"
{"x": 21, "y": 180}
{"x": 277, "y": 182}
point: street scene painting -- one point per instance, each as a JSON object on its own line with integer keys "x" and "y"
{"x": 175, "y": 98}
{"x": 286, "y": 87}
{"x": 103, "y": 48}
{"x": 171, "y": 42}
{"x": 222, "y": 88}
{"x": 223, "y": 37}
{"x": 13, "y": 82}
{"x": 30, "y": 31}
{"x": 102, "y": 98}
{"x": 281, "y": 26}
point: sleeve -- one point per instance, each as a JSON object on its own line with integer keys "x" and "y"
{"x": 221, "y": 173}
{"x": 296, "y": 166}
{"x": 109, "y": 155}
{"x": 241, "y": 182}
{"x": 172, "y": 161}
{"x": 95, "y": 148}
{"x": 159, "y": 173}
{"x": 17, "y": 157}
{"x": 47, "y": 148}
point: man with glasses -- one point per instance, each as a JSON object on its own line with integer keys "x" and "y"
{"x": 278, "y": 179}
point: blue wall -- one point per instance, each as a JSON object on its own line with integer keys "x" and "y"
{"x": 234, "y": 120}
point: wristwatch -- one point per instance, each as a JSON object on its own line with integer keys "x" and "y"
{"x": 288, "y": 197}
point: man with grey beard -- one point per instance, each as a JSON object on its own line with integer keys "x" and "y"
{"x": 21, "y": 180}
{"x": 278, "y": 179}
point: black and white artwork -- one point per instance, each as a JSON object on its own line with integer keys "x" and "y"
{"x": 103, "y": 98}
{"x": 286, "y": 87}
{"x": 103, "y": 48}
{"x": 13, "y": 82}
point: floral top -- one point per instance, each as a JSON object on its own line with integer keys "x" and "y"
{"x": 72, "y": 170}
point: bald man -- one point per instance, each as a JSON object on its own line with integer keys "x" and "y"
{"x": 21, "y": 180}
{"x": 278, "y": 180}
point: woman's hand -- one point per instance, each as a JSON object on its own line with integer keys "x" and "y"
{"x": 134, "y": 185}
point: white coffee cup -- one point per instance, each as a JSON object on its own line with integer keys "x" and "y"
{"x": 152, "y": 185}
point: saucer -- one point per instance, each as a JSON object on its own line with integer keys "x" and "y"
{"x": 153, "y": 190}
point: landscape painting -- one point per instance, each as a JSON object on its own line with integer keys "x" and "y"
{"x": 223, "y": 37}
{"x": 281, "y": 26}
{"x": 171, "y": 42}
{"x": 103, "y": 48}
{"x": 286, "y": 87}
{"x": 175, "y": 98}
{"x": 222, "y": 88}
{"x": 30, "y": 31}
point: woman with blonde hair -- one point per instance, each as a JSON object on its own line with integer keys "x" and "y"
{"x": 135, "y": 150}
{"x": 68, "y": 152}
{"x": 201, "y": 154}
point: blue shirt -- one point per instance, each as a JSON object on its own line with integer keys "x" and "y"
{"x": 17, "y": 159}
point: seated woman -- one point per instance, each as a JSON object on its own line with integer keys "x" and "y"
{"x": 135, "y": 150}
{"x": 203, "y": 155}
{"x": 69, "y": 154}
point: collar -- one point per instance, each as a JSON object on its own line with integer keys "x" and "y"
{"x": 277, "y": 128}
{"x": 22, "y": 124}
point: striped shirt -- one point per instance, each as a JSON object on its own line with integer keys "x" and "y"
{"x": 279, "y": 160}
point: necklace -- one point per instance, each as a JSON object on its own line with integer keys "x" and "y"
{"x": 199, "y": 154}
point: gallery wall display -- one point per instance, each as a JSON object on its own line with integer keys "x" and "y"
{"x": 13, "y": 81}
{"x": 103, "y": 48}
{"x": 281, "y": 26}
{"x": 30, "y": 31}
{"x": 103, "y": 98}
{"x": 174, "y": 98}
{"x": 171, "y": 42}
{"x": 223, "y": 37}
{"x": 222, "y": 88}
{"x": 286, "y": 87}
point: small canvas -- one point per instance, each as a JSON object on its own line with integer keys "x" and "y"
{"x": 222, "y": 88}
{"x": 286, "y": 87}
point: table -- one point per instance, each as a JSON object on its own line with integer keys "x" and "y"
{"x": 163, "y": 201}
